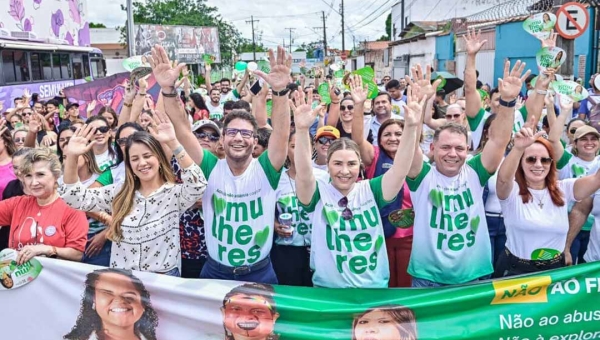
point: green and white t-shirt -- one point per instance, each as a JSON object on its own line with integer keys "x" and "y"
{"x": 105, "y": 160}
{"x": 570, "y": 166}
{"x": 239, "y": 210}
{"x": 593, "y": 251}
{"x": 451, "y": 244}
{"x": 349, "y": 253}
{"x": 287, "y": 202}
{"x": 476, "y": 124}
{"x": 215, "y": 112}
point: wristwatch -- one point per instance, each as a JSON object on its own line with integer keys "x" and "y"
{"x": 281, "y": 93}
{"x": 511, "y": 103}
{"x": 53, "y": 254}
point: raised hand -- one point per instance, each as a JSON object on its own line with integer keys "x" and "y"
{"x": 549, "y": 100}
{"x": 27, "y": 95}
{"x": 91, "y": 107}
{"x": 566, "y": 104}
{"x": 3, "y": 126}
{"x": 162, "y": 129}
{"x": 423, "y": 80}
{"x": 413, "y": 111}
{"x": 335, "y": 97}
{"x": 129, "y": 92}
{"x": 279, "y": 77}
{"x": 143, "y": 84}
{"x": 526, "y": 136}
{"x": 544, "y": 79}
{"x": 510, "y": 86}
{"x": 164, "y": 73}
{"x": 82, "y": 141}
{"x": 550, "y": 41}
{"x": 473, "y": 41}
{"x": 357, "y": 89}
{"x": 35, "y": 122}
{"x": 304, "y": 115}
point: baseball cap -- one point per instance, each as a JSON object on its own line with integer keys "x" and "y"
{"x": 208, "y": 124}
{"x": 585, "y": 130}
{"x": 328, "y": 131}
{"x": 70, "y": 105}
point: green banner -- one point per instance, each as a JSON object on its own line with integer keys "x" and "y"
{"x": 554, "y": 305}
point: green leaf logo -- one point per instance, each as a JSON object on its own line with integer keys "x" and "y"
{"x": 475, "y": 223}
{"x": 285, "y": 201}
{"x": 218, "y": 204}
{"x": 544, "y": 254}
{"x": 261, "y": 237}
{"x": 379, "y": 243}
{"x": 578, "y": 171}
{"x": 436, "y": 197}
{"x": 331, "y": 216}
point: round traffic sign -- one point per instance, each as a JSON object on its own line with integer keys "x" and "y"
{"x": 572, "y": 19}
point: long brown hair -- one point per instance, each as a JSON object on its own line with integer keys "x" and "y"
{"x": 9, "y": 143}
{"x": 125, "y": 199}
{"x": 384, "y": 126}
{"x": 551, "y": 179}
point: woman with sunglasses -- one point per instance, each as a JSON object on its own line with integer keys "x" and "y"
{"x": 341, "y": 114}
{"x": 103, "y": 146}
{"x": 18, "y": 136}
{"x": 41, "y": 224}
{"x": 347, "y": 243}
{"x": 149, "y": 203}
{"x": 581, "y": 160}
{"x": 535, "y": 204}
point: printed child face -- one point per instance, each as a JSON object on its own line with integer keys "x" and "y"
{"x": 377, "y": 325}
{"x": 249, "y": 316}
{"x": 117, "y": 301}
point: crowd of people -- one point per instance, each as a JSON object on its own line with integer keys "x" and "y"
{"x": 270, "y": 184}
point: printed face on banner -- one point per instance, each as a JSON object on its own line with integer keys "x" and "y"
{"x": 249, "y": 312}
{"x": 552, "y": 57}
{"x": 540, "y": 25}
{"x": 116, "y": 301}
{"x": 571, "y": 89}
{"x": 386, "y": 323}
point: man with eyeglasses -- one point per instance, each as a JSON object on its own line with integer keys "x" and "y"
{"x": 384, "y": 82}
{"x": 208, "y": 134}
{"x": 323, "y": 139}
{"x": 239, "y": 201}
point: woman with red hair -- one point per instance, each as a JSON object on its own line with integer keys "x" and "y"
{"x": 534, "y": 205}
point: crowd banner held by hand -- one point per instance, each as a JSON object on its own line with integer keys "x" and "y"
{"x": 540, "y": 25}
{"x": 134, "y": 62}
{"x": 550, "y": 57}
{"x": 208, "y": 59}
{"x": 557, "y": 304}
{"x": 323, "y": 91}
{"x": 14, "y": 275}
{"x": 368, "y": 78}
{"x": 570, "y": 89}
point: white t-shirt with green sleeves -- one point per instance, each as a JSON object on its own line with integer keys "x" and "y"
{"x": 348, "y": 254}
{"x": 239, "y": 210}
{"x": 287, "y": 202}
{"x": 476, "y": 124}
{"x": 451, "y": 244}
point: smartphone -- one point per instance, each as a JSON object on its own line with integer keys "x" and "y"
{"x": 256, "y": 87}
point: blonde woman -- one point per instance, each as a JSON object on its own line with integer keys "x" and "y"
{"x": 146, "y": 209}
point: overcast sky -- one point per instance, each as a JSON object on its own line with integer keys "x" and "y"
{"x": 365, "y": 19}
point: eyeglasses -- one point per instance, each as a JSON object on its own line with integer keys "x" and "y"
{"x": 122, "y": 141}
{"x": 20, "y": 140}
{"x": 543, "y": 160}
{"x": 346, "y": 213}
{"x": 344, "y": 107}
{"x": 456, "y": 116}
{"x": 102, "y": 129}
{"x": 211, "y": 136}
{"x": 231, "y": 132}
{"x": 26, "y": 113}
{"x": 325, "y": 140}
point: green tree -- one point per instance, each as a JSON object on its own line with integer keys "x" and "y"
{"x": 97, "y": 25}
{"x": 188, "y": 13}
{"x": 246, "y": 46}
{"x": 309, "y": 48}
{"x": 388, "y": 27}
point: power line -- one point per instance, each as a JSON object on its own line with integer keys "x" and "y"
{"x": 432, "y": 9}
{"x": 365, "y": 18}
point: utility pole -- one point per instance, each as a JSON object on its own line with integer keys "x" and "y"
{"x": 343, "y": 26}
{"x": 252, "y": 21}
{"x": 130, "y": 33}
{"x": 291, "y": 30}
{"x": 324, "y": 37}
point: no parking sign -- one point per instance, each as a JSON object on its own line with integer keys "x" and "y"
{"x": 572, "y": 19}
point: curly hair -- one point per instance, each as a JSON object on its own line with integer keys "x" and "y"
{"x": 88, "y": 320}
{"x": 256, "y": 289}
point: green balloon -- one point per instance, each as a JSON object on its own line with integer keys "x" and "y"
{"x": 241, "y": 65}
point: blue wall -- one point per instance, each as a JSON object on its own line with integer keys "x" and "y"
{"x": 514, "y": 43}
{"x": 444, "y": 50}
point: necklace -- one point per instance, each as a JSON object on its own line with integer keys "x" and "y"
{"x": 541, "y": 200}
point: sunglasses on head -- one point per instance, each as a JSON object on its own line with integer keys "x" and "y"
{"x": 455, "y": 116}
{"x": 231, "y": 132}
{"x": 344, "y": 107}
{"x": 211, "y": 136}
{"x": 533, "y": 160}
{"x": 325, "y": 140}
{"x": 103, "y": 129}
{"x": 346, "y": 213}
